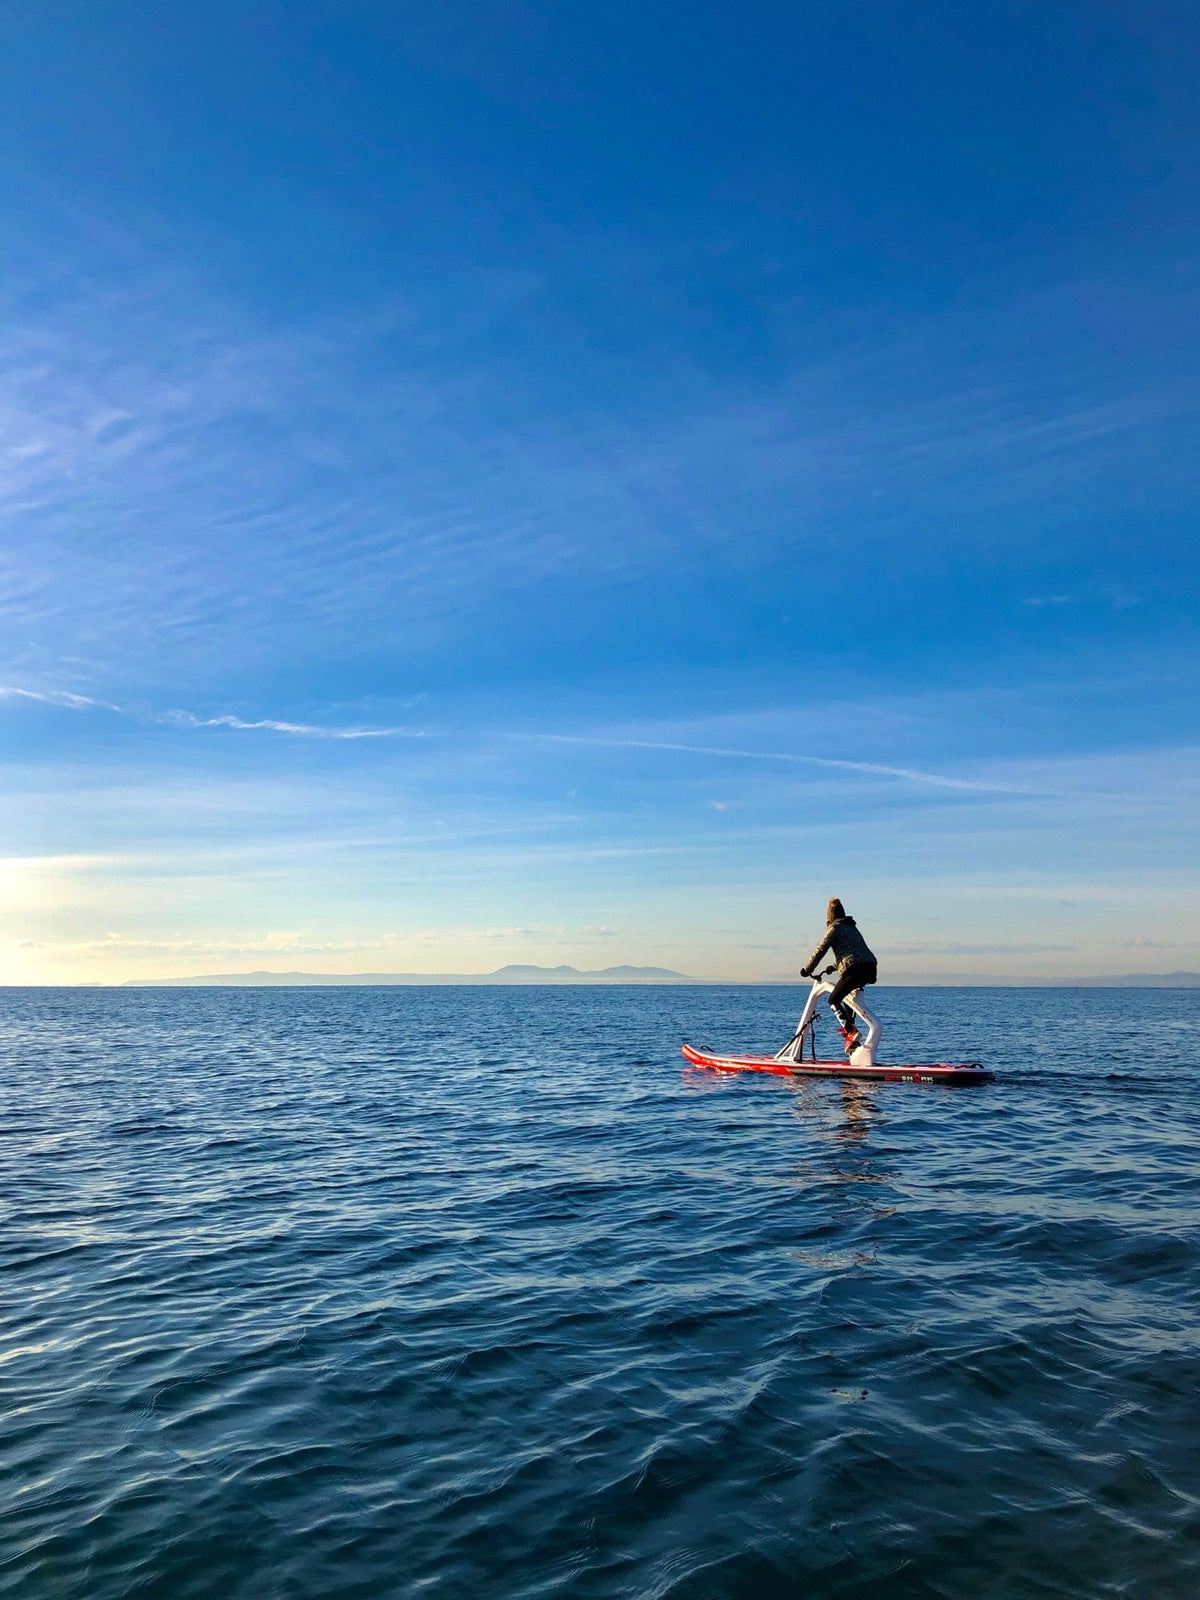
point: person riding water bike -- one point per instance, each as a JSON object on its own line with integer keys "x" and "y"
{"x": 855, "y": 964}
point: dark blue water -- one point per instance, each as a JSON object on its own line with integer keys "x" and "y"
{"x": 480, "y": 1292}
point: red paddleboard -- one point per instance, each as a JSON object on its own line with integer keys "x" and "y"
{"x": 956, "y": 1074}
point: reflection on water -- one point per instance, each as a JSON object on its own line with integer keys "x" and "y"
{"x": 859, "y": 1107}
{"x": 838, "y": 1120}
{"x": 839, "y": 1117}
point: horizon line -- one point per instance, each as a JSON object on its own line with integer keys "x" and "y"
{"x": 622, "y": 974}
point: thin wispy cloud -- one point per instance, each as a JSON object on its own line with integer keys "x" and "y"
{"x": 57, "y": 697}
{"x": 377, "y": 510}
{"x": 188, "y": 719}
{"x": 870, "y": 768}
{"x": 302, "y": 730}
{"x": 959, "y": 949}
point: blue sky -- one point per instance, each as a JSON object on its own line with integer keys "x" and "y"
{"x": 547, "y": 482}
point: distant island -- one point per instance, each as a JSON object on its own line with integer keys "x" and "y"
{"x": 624, "y": 974}
{"x": 509, "y": 974}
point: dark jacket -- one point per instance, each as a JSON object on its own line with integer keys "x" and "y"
{"x": 845, "y": 943}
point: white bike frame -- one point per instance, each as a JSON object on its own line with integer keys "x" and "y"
{"x": 862, "y": 1055}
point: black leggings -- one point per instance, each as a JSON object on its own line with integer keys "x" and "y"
{"x": 856, "y": 976}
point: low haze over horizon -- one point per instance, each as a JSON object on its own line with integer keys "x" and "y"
{"x": 513, "y": 483}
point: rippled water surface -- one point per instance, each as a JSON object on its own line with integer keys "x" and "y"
{"x": 481, "y": 1292}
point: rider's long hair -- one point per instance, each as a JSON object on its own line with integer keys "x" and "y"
{"x": 834, "y": 911}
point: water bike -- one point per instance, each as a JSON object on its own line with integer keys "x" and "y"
{"x": 861, "y": 1062}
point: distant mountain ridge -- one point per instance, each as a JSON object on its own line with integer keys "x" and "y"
{"x": 510, "y": 974}
{"x": 516, "y": 973}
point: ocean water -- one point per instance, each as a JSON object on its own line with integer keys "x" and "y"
{"x": 483, "y": 1292}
